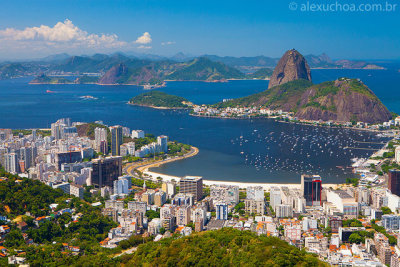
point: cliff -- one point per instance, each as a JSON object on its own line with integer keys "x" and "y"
{"x": 292, "y": 66}
{"x": 342, "y": 100}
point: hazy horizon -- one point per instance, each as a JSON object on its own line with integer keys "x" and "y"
{"x": 224, "y": 28}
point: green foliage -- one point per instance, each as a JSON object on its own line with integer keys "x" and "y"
{"x": 242, "y": 194}
{"x": 352, "y": 223}
{"x": 226, "y": 247}
{"x": 355, "y": 238}
{"x": 381, "y": 229}
{"x": 387, "y": 165}
{"x": 25, "y": 196}
{"x": 274, "y": 96}
{"x": 177, "y": 149}
{"x": 151, "y": 214}
{"x": 149, "y": 184}
{"x": 87, "y": 79}
{"x": 262, "y": 73}
{"x": 386, "y": 210}
{"x": 134, "y": 241}
{"x": 139, "y": 142}
{"x": 201, "y": 69}
{"x": 159, "y": 99}
{"x": 359, "y": 87}
{"x": 360, "y": 236}
{"x": 14, "y": 239}
{"x": 353, "y": 181}
{"x": 44, "y": 79}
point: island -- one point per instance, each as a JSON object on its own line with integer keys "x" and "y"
{"x": 44, "y": 79}
{"x": 161, "y": 100}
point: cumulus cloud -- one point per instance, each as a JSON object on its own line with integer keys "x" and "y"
{"x": 63, "y": 33}
{"x": 144, "y": 39}
{"x": 168, "y": 43}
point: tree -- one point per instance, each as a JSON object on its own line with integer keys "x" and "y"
{"x": 355, "y": 238}
{"x": 14, "y": 239}
{"x": 386, "y": 210}
{"x": 151, "y": 214}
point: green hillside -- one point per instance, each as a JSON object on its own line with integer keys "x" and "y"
{"x": 202, "y": 69}
{"x": 274, "y": 96}
{"x": 226, "y": 247}
{"x": 159, "y": 99}
{"x": 262, "y": 73}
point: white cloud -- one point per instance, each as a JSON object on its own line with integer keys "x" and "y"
{"x": 144, "y": 39}
{"x": 144, "y": 47}
{"x": 168, "y": 43}
{"x": 64, "y": 36}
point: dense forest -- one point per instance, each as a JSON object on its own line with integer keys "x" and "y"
{"x": 226, "y": 247}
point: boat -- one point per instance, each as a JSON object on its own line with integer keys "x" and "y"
{"x": 49, "y": 91}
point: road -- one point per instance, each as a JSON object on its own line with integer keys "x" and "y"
{"x": 130, "y": 168}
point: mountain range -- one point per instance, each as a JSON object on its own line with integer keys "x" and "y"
{"x": 177, "y": 67}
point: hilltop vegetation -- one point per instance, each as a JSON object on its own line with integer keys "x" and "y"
{"x": 262, "y": 74}
{"x": 226, "y": 247}
{"x": 341, "y": 100}
{"x": 273, "y": 98}
{"x": 23, "y": 199}
{"x": 203, "y": 69}
{"x": 159, "y": 99}
{"x": 44, "y": 79}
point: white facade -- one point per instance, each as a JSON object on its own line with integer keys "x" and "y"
{"x": 275, "y": 197}
{"x": 393, "y": 201}
{"x": 283, "y": 211}
{"x": 255, "y": 193}
{"x": 137, "y": 134}
{"x": 345, "y": 203}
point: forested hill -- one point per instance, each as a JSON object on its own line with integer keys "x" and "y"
{"x": 225, "y": 247}
{"x": 159, "y": 99}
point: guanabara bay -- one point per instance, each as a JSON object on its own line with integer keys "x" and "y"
{"x": 199, "y": 133}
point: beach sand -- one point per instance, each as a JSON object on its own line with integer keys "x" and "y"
{"x": 266, "y": 186}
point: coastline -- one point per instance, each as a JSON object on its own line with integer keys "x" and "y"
{"x": 131, "y": 167}
{"x": 266, "y": 186}
{"x": 149, "y": 106}
{"x": 148, "y": 174}
{"x": 295, "y": 122}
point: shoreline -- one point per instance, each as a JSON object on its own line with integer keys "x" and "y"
{"x": 266, "y": 186}
{"x": 295, "y": 122}
{"x": 131, "y": 167}
{"x": 164, "y": 108}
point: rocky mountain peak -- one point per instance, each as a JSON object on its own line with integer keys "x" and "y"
{"x": 292, "y": 66}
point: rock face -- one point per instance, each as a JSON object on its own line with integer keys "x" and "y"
{"x": 292, "y": 66}
{"x": 342, "y": 100}
{"x": 114, "y": 74}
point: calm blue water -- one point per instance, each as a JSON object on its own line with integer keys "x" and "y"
{"x": 236, "y": 150}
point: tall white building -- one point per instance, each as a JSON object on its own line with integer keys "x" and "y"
{"x": 275, "y": 197}
{"x": 137, "y": 134}
{"x": 222, "y": 211}
{"x": 100, "y": 137}
{"x": 122, "y": 185}
{"x": 283, "y": 211}
{"x": 255, "y": 193}
{"x": 162, "y": 141}
{"x": 11, "y": 161}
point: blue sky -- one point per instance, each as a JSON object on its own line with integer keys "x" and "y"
{"x": 235, "y": 28}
